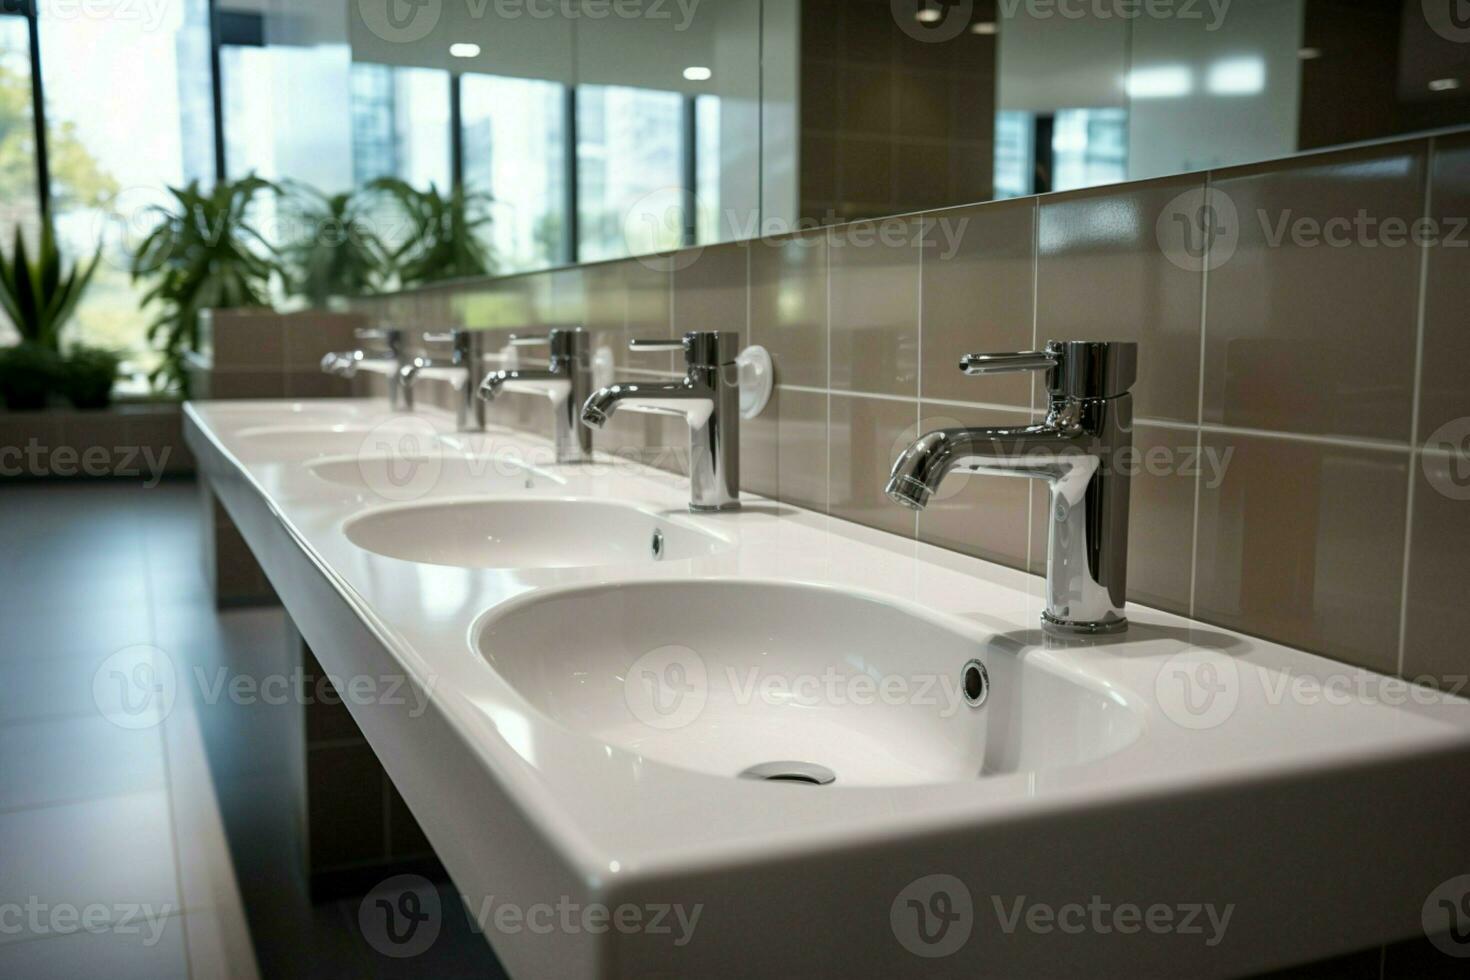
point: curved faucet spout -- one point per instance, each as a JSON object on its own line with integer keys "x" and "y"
{"x": 1034, "y": 451}
{"x": 491, "y": 386}
{"x": 680, "y": 398}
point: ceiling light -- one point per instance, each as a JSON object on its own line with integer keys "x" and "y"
{"x": 1163, "y": 82}
{"x": 697, "y": 73}
{"x": 1444, "y": 85}
{"x": 983, "y": 27}
{"x": 1238, "y": 76}
{"x": 1309, "y": 54}
{"x": 464, "y": 49}
{"x": 929, "y": 15}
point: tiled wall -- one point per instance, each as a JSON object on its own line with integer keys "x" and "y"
{"x": 258, "y": 353}
{"x": 1294, "y": 478}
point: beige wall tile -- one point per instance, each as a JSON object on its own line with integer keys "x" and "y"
{"x": 867, "y": 434}
{"x": 1437, "y": 615}
{"x": 314, "y": 384}
{"x": 801, "y": 455}
{"x": 760, "y": 450}
{"x": 978, "y": 279}
{"x": 1160, "y": 515}
{"x": 606, "y": 310}
{"x": 1102, "y": 275}
{"x": 984, "y": 516}
{"x": 788, "y": 316}
{"x": 310, "y": 335}
{"x": 650, "y": 293}
{"x": 226, "y": 384}
{"x": 1445, "y": 389}
{"x": 711, "y": 291}
{"x": 1316, "y": 334}
{"x": 875, "y": 306}
{"x": 1303, "y": 543}
{"x": 244, "y": 339}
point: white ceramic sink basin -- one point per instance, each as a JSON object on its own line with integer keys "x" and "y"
{"x": 529, "y": 533}
{"x": 403, "y": 478}
{"x": 407, "y": 437}
{"x": 746, "y": 673}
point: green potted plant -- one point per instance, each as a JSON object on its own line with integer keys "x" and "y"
{"x": 39, "y": 297}
{"x": 445, "y": 232}
{"x": 87, "y": 375}
{"x": 204, "y": 254}
{"x": 335, "y": 251}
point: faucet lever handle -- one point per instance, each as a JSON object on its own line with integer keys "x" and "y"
{"x": 533, "y": 340}
{"x": 1028, "y": 360}
{"x": 655, "y": 345}
{"x": 449, "y": 336}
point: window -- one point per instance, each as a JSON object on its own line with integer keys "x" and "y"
{"x": 707, "y": 167}
{"x": 112, "y": 152}
{"x": 19, "y": 195}
{"x": 515, "y": 149}
{"x": 400, "y": 125}
{"x": 630, "y": 171}
{"x": 1090, "y": 147}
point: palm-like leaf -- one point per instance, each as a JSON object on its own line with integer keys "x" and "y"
{"x": 446, "y": 232}
{"x": 203, "y": 254}
{"x": 40, "y": 296}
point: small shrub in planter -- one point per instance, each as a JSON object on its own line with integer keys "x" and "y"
{"x": 28, "y": 374}
{"x": 87, "y": 376}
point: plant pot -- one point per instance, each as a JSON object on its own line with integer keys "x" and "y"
{"x": 87, "y": 377}
{"x": 28, "y": 375}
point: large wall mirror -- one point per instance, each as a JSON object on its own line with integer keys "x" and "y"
{"x": 604, "y": 128}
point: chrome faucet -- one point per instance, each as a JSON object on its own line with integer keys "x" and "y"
{"x": 461, "y": 369}
{"x": 570, "y": 375}
{"x": 708, "y": 398}
{"x": 1077, "y": 450}
{"x": 387, "y": 359}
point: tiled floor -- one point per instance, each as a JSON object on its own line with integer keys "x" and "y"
{"x": 114, "y": 856}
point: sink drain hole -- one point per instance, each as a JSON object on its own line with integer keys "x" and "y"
{"x": 975, "y": 682}
{"x": 790, "y": 772}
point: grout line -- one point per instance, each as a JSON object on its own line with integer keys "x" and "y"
{"x": 1420, "y": 315}
{"x": 1032, "y": 384}
{"x": 1344, "y": 442}
{"x": 169, "y": 776}
{"x": 1199, "y": 414}
{"x": 919, "y": 367}
{"x": 873, "y": 395}
{"x": 827, "y": 470}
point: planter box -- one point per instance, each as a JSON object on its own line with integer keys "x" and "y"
{"x": 139, "y": 441}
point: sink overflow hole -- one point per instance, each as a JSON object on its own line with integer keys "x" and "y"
{"x": 657, "y": 546}
{"x": 975, "y": 682}
{"x": 790, "y": 772}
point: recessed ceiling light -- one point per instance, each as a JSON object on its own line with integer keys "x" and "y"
{"x": 464, "y": 49}
{"x": 929, "y": 15}
{"x": 1444, "y": 85}
{"x": 983, "y": 27}
{"x": 1309, "y": 54}
{"x": 697, "y": 73}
